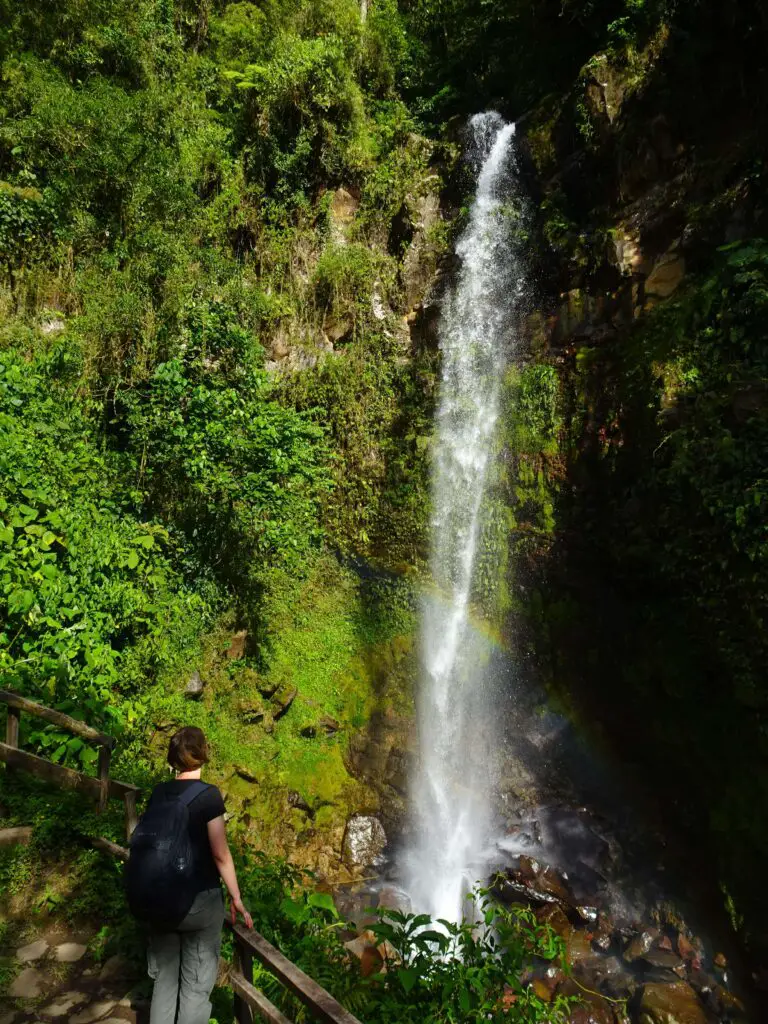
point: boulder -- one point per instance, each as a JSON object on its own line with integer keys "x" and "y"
{"x": 282, "y": 701}
{"x": 324, "y": 725}
{"x": 70, "y": 952}
{"x": 194, "y": 688}
{"x": 555, "y": 917}
{"x": 251, "y": 713}
{"x": 63, "y": 1004}
{"x": 661, "y": 959}
{"x": 588, "y": 914}
{"x": 364, "y": 841}
{"x": 591, "y": 1008}
{"x": 54, "y": 325}
{"x": 117, "y": 967}
{"x": 666, "y": 276}
{"x": 297, "y": 801}
{"x": 363, "y": 948}
{"x": 640, "y": 944}
{"x": 675, "y": 1003}
{"x": 93, "y": 1012}
{"x": 32, "y": 951}
{"x": 30, "y": 984}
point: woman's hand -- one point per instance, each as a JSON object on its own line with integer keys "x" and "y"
{"x": 236, "y": 907}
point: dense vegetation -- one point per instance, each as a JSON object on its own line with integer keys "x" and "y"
{"x": 168, "y": 172}
{"x": 215, "y": 401}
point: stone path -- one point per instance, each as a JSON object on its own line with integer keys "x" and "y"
{"x": 58, "y": 981}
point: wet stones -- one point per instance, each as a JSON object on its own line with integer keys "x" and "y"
{"x": 392, "y": 898}
{"x": 364, "y": 841}
{"x": 675, "y": 1003}
{"x": 663, "y": 960}
{"x": 538, "y": 883}
{"x": 640, "y": 944}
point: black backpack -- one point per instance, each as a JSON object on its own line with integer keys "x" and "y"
{"x": 160, "y": 873}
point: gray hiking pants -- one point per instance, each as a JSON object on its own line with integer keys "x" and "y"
{"x": 184, "y": 963}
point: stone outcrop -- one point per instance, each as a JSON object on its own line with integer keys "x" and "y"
{"x": 364, "y": 841}
{"x": 675, "y": 1003}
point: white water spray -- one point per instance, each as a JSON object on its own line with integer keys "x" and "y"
{"x": 454, "y": 783}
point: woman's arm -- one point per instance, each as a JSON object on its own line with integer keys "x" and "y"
{"x": 217, "y": 837}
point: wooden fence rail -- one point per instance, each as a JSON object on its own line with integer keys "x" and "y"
{"x": 249, "y": 945}
{"x": 101, "y": 788}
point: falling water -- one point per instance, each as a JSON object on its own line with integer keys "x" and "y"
{"x": 452, "y": 790}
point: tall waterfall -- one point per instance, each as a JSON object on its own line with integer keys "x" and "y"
{"x": 454, "y": 783}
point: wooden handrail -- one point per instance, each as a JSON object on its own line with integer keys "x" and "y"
{"x": 65, "y": 778}
{"x": 102, "y": 788}
{"x": 249, "y": 996}
{"x": 250, "y": 944}
{"x": 107, "y": 846}
{"x": 86, "y": 732}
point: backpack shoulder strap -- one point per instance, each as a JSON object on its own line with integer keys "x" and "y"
{"x": 192, "y": 792}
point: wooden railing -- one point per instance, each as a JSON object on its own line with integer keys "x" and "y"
{"x": 249, "y": 945}
{"x": 101, "y": 788}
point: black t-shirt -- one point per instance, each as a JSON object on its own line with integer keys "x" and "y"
{"x": 204, "y": 808}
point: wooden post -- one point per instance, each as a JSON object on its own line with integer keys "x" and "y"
{"x": 131, "y": 818}
{"x": 105, "y": 755}
{"x": 244, "y": 965}
{"x": 12, "y": 727}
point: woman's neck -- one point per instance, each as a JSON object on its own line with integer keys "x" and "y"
{"x": 194, "y": 774}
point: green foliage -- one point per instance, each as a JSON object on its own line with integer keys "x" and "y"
{"x": 377, "y": 409}
{"x": 26, "y": 219}
{"x": 464, "y": 54}
{"x": 442, "y": 971}
{"x": 436, "y": 971}
{"x": 92, "y": 606}
{"x": 235, "y": 470}
{"x": 345, "y": 276}
{"x": 533, "y": 429}
{"x": 304, "y": 111}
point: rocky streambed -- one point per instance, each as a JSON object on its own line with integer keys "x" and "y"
{"x": 633, "y": 956}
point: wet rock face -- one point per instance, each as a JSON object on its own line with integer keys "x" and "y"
{"x": 364, "y": 841}
{"x": 671, "y": 1004}
{"x": 634, "y": 956}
